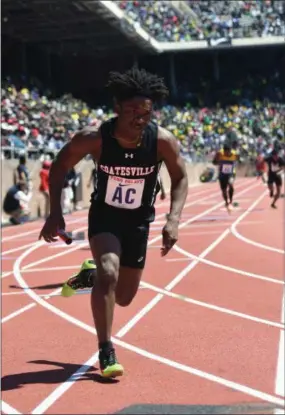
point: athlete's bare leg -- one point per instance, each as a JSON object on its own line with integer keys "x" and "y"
{"x": 276, "y": 196}
{"x": 271, "y": 189}
{"x": 231, "y": 193}
{"x": 106, "y": 250}
{"x": 113, "y": 284}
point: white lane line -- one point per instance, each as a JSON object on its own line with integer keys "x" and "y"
{"x": 202, "y": 232}
{"x": 35, "y": 230}
{"x": 204, "y": 375}
{"x": 249, "y": 241}
{"x": 178, "y": 278}
{"x": 279, "y": 382}
{"x": 227, "y": 268}
{"x": 41, "y": 243}
{"x": 32, "y": 294}
{"x": 18, "y": 312}
{"x": 17, "y": 249}
{"x": 212, "y": 306}
{"x": 63, "y": 387}
{"x": 29, "y": 306}
{"x": 43, "y": 269}
{"x": 69, "y": 250}
{"x": 29, "y": 291}
{"x": 177, "y": 259}
{"x": 151, "y": 242}
{"x": 32, "y": 264}
{"x": 236, "y": 233}
{"x": 13, "y": 293}
{"x": 19, "y": 235}
{"x": 58, "y": 392}
{"x": 8, "y": 409}
{"x": 81, "y": 216}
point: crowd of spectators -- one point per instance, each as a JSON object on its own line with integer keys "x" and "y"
{"x": 209, "y": 19}
{"x": 34, "y": 121}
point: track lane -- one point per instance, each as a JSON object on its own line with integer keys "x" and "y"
{"x": 176, "y": 266}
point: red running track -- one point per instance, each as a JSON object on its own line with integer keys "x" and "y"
{"x": 204, "y": 329}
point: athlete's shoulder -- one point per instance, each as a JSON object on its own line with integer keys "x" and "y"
{"x": 91, "y": 131}
{"x": 152, "y": 129}
{"x": 87, "y": 140}
{"x": 165, "y": 135}
{"x": 166, "y": 138}
{"x": 166, "y": 142}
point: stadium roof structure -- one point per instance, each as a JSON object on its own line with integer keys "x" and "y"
{"x": 70, "y": 27}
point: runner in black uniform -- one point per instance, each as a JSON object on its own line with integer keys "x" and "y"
{"x": 275, "y": 167}
{"x": 129, "y": 150}
{"x": 226, "y": 159}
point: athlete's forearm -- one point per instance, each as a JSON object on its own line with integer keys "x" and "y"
{"x": 178, "y": 195}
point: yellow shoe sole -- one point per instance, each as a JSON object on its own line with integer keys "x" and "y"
{"x": 113, "y": 371}
{"x": 67, "y": 291}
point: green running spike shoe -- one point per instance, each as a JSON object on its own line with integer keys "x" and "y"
{"x": 109, "y": 366}
{"x": 84, "y": 279}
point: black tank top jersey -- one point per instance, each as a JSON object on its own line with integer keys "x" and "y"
{"x": 127, "y": 178}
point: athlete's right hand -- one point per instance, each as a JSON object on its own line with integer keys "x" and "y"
{"x": 51, "y": 226}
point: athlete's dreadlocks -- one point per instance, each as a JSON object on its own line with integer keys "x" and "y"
{"x": 136, "y": 82}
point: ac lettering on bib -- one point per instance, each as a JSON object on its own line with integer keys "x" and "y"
{"x": 124, "y": 193}
{"x": 227, "y": 168}
{"x": 275, "y": 167}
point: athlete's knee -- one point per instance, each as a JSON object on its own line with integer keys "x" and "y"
{"x": 124, "y": 300}
{"x": 128, "y": 285}
{"x": 108, "y": 269}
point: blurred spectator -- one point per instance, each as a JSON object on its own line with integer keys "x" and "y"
{"x": 37, "y": 123}
{"x": 239, "y": 19}
{"x": 69, "y": 200}
{"x": 21, "y": 172}
{"x": 16, "y": 203}
{"x": 201, "y": 125}
{"x": 215, "y": 19}
{"x": 44, "y": 184}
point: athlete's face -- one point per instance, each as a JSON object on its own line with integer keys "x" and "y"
{"x": 135, "y": 113}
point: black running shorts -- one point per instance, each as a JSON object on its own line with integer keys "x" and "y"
{"x": 275, "y": 178}
{"x": 133, "y": 235}
{"x": 225, "y": 180}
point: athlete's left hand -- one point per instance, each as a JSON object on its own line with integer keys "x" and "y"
{"x": 169, "y": 236}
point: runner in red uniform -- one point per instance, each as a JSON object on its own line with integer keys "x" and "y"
{"x": 260, "y": 165}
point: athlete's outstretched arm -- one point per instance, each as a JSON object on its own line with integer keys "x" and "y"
{"x": 216, "y": 159}
{"x": 162, "y": 188}
{"x": 83, "y": 142}
{"x": 168, "y": 150}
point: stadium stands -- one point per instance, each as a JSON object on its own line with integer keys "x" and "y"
{"x": 214, "y": 19}
{"x": 39, "y": 123}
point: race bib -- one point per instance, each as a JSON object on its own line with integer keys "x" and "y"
{"x": 124, "y": 193}
{"x": 227, "y": 168}
{"x": 275, "y": 167}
